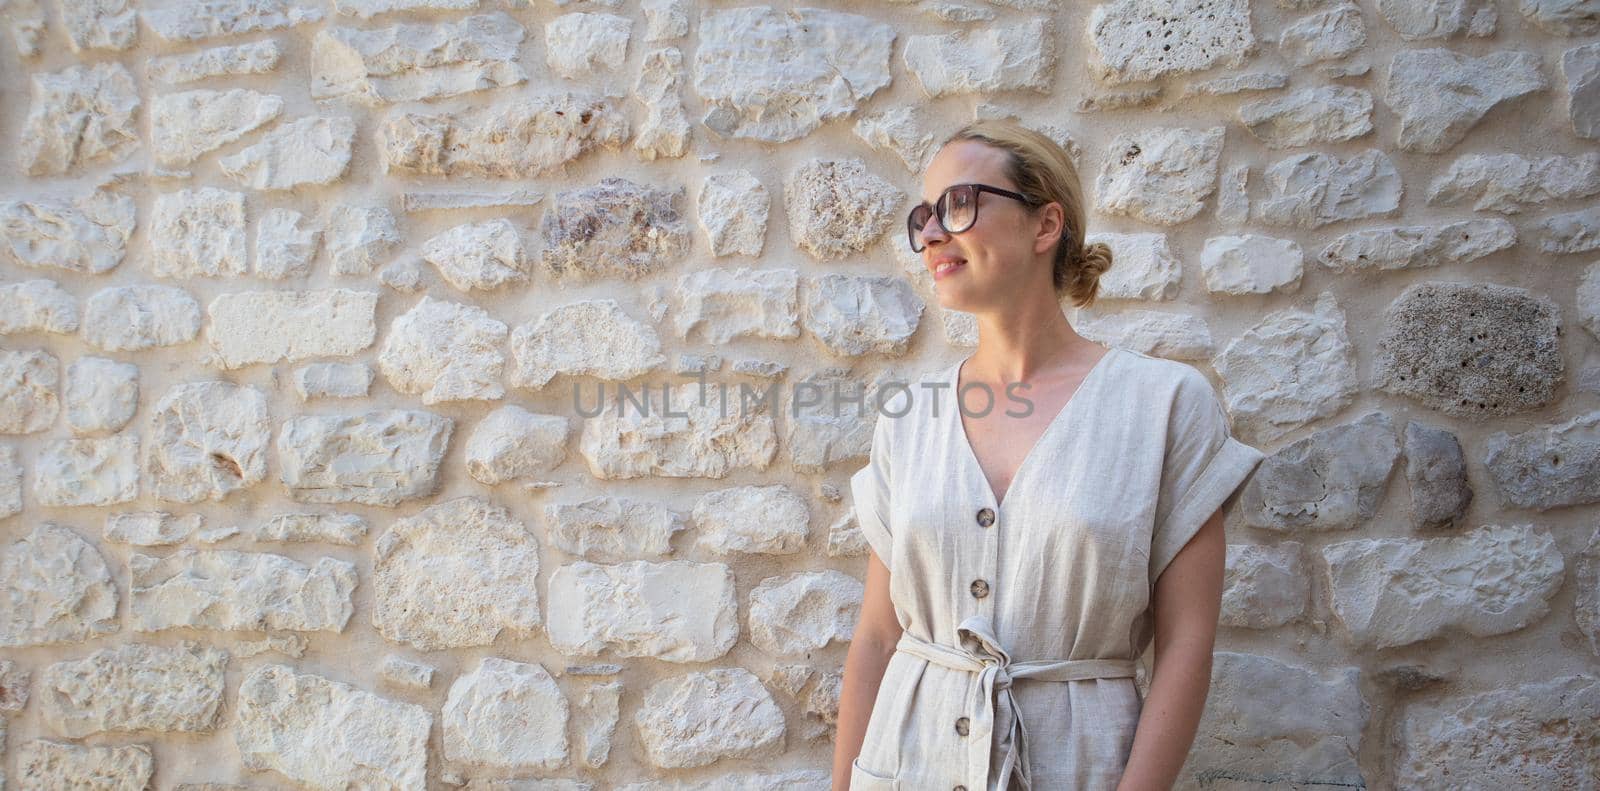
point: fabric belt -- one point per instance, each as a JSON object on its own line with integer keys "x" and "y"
{"x": 994, "y": 698}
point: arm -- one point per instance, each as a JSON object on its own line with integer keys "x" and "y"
{"x": 877, "y": 631}
{"x": 1187, "y": 603}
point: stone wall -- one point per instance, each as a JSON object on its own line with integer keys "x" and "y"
{"x": 294, "y": 490}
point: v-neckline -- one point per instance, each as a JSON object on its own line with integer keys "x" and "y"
{"x": 972, "y": 456}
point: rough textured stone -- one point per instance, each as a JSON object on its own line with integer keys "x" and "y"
{"x": 14, "y": 682}
{"x": 1236, "y": 83}
{"x": 1417, "y": 246}
{"x": 855, "y": 315}
{"x": 511, "y": 443}
{"x": 1176, "y": 336}
{"x": 717, "y": 305}
{"x": 732, "y": 209}
{"x": 1290, "y": 369}
{"x": 482, "y": 255}
{"x": 580, "y": 43}
{"x": 381, "y": 457}
{"x": 27, "y": 25}
{"x": 505, "y": 714}
{"x": 10, "y": 482}
{"x": 445, "y": 351}
{"x": 197, "y": 233}
{"x": 1325, "y": 114}
{"x": 1439, "y": 94}
{"x": 1233, "y": 197}
{"x": 226, "y": 590}
{"x": 255, "y": 57}
{"x": 272, "y": 326}
{"x": 985, "y": 60}
{"x": 29, "y": 391}
{"x": 1264, "y": 587}
{"x": 181, "y": 21}
{"x": 133, "y": 318}
{"x": 88, "y": 234}
{"x": 1135, "y": 41}
{"x": 610, "y": 529}
{"x": 777, "y": 75}
{"x": 1437, "y": 472}
{"x": 1144, "y": 268}
{"x": 765, "y": 520}
{"x": 1561, "y": 17}
{"x": 1532, "y": 735}
{"x": 311, "y": 150}
{"x": 1425, "y": 19}
{"x": 1389, "y": 592}
{"x": 283, "y": 247}
{"x": 101, "y": 24}
{"x": 79, "y": 116}
{"x": 367, "y": 9}
{"x": 665, "y": 129}
{"x": 1267, "y": 722}
{"x": 1548, "y": 466}
{"x": 791, "y": 780}
{"x": 1333, "y": 479}
{"x": 456, "y": 574}
{"x": 37, "y": 306}
{"x": 43, "y": 764}
{"x": 87, "y": 471}
{"x": 599, "y": 712}
{"x": 699, "y": 718}
{"x": 616, "y": 228}
{"x": 805, "y": 611}
{"x": 405, "y": 673}
{"x": 1160, "y": 175}
{"x": 1312, "y": 190}
{"x": 359, "y": 237}
{"x": 699, "y": 439}
{"x": 1581, "y": 68}
{"x": 838, "y": 207}
{"x": 1251, "y": 264}
{"x": 342, "y": 529}
{"x": 512, "y": 139}
{"x": 327, "y": 734}
{"x": 822, "y": 428}
{"x": 407, "y": 63}
{"x": 676, "y": 611}
{"x": 1470, "y": 349}
{"x": 185, "y": 126}
{"x": 902, "y": 131}
{"x": 1573, "y": 232}
{"x": 207, "y": 440}
{"x": 56, "y": 589}
{"x": 590, "y": 338}
{"x": 1508, "y": 182}
{"x": 150, "y": 528}
{"x": 1329, "y": 35}
{"x": 1587, "y": 603}
{"x": 333, "y": 380}
{"x": 1589, "y": 299}
{"x": 135, "y": 687}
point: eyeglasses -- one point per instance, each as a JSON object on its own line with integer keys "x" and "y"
{"x": 956, "y": 210}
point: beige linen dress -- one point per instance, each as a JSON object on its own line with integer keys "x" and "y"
{"x": 1022, "y": 623}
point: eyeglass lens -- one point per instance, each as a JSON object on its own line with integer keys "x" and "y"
{"x": 957, "y": 209}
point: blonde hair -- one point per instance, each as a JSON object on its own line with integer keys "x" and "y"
{"x": 1042, "y": 170}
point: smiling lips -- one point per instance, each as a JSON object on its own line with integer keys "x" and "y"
{"x": 946, "y": 266}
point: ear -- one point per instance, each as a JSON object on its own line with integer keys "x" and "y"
{"x": 1052, "y": 220}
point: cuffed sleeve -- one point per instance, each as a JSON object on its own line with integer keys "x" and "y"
{"x": 869, "y": 487}
{"x": 1204, "y": 467}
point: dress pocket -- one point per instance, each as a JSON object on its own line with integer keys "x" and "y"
{"x": 863, "y": 780}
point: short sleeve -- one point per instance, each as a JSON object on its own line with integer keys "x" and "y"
{"x": 1203, "y": 468}
{"x": 869, "y": 487}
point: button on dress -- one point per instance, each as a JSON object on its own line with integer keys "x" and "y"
{"x": 1022, "y": 623}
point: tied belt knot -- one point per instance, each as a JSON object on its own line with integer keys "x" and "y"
{"x": 993, "y": 692}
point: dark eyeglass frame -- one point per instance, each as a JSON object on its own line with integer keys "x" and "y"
{"x": 937, "y": 210}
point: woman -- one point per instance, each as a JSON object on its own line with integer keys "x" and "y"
{"x": 1027, "y": 547}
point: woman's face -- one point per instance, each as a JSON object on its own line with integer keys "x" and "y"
{"x": 994, "y": 260}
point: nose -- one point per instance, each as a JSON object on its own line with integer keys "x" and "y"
{"x": 932, "y": 232}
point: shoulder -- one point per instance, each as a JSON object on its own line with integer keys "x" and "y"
{"x": 1152, "y": 376}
